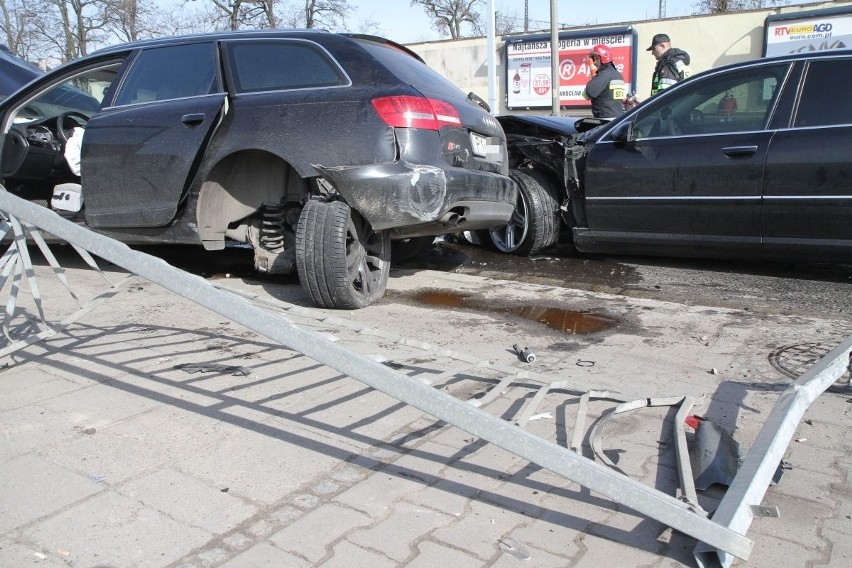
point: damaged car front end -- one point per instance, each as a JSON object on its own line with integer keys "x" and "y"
{"x": 747, "y": 161}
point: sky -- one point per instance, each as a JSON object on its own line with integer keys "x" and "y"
{"x": 403, "y": 23}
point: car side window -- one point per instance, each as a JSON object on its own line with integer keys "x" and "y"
{"x": 733, "y": 102}
{"x": 83, "y": 93}
{"x": 172, "y": 72}
{"x": 280, "y": 65}
{"x": 825, "y": 94}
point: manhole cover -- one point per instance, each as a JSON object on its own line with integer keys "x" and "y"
{"x": 794, "y": 360}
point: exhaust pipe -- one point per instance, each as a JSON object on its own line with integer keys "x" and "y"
{"x": 452, "y": 219}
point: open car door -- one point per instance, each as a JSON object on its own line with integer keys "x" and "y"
{"x": 141, "y": 152}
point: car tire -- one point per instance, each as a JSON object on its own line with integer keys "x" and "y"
{"x": 342, "y": 263}
{"x": 404, "y": 250}
{"x": 535, "y": 224}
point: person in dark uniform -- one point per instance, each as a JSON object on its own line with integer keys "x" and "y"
{"x": 672, "y": 64}
{"x": 606, "y": 89}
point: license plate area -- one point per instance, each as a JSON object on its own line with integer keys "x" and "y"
{"x": 478, "y": 144}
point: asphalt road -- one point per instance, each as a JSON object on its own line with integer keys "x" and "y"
{"x": 780, "y": 288}
{"x": 773, "y": 288}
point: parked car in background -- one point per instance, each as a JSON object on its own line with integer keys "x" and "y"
{"x": 751, "y": 160}
{"x": 14, "y": 72}
{"x": 317, "y": 149}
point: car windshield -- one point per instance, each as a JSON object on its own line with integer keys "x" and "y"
{"x": 82, "y": 93}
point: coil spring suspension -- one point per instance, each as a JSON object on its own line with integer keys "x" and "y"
{"x": 272, "y": 227}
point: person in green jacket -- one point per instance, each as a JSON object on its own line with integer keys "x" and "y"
{"x": 672, "y": 64}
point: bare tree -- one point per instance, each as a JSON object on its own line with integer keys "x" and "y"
{"x": 504, "y": 24}
{"x": 186, "y": 18}
{"x": 267, "y": 9}
{"x": 448, "y": 16}
{"x": 253, "y": 14}
{"x": 131, "y": 20}
{"x": 228, "y": 14}
{"x": 16, "y": 26}
{"x": 71, "y": 27}
{"x": 722, "y": 6}
{"x": 326, "y": 14}
{"x": 368, "y": 26}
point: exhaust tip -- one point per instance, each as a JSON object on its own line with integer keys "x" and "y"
{"x": 452, "y": 219}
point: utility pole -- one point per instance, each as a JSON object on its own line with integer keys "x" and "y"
{"x": 554, "y": 55}
{"x": 526, "y": 15}
{"x": 662, "y": 13}
{"x": 491, "y": 63}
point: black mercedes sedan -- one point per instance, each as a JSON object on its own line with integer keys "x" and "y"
{"x": 752, "y": 160}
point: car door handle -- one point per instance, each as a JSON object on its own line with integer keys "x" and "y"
{"x": 193, "y": 119}
{"x": 739, "y": 151}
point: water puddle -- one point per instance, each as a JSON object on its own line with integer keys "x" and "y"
{"x": 568, "y": 321}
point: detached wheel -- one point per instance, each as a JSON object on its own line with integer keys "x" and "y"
{"x": 535, "y": 224}
{"x": 342, "y": 263}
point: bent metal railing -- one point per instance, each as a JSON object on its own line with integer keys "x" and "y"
{"x": 722, "y": 538}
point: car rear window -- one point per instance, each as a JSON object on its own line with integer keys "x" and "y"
{"x": 408, "y": 69}
{"x": 825, "y": 95}
{"x": 281, "y": 65}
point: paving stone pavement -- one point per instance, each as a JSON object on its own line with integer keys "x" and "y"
{"x": 115, "y": 453}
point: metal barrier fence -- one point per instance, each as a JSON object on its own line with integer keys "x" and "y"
{"x": 721, "y": 538}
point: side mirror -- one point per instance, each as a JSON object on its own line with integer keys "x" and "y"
{"x": 622, "y": 133}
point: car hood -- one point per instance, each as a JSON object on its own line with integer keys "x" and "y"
{"x": 538, "y": 124}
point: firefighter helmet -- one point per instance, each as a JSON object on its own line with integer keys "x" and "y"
{"x": 603, "y": 52}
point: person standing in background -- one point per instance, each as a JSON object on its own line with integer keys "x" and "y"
{"x": 606, "y": 89}
{"x": 672, "y": 64}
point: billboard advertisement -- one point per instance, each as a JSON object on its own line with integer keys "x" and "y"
{"x": 815, "y": 30}
{"x": 528, "y": 81}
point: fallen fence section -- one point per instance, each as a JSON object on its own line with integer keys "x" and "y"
{"x": 738, "y": 506}
{"x": 16, "y": 263}
{"x": 673, "y": 512}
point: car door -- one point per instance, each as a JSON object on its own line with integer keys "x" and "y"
{"x": 690, "y": 174}
{"x": 141, "y": 151}
{"x": 807, "y": 208}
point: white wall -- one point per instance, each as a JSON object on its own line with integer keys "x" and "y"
{"x": 711, "y": 41}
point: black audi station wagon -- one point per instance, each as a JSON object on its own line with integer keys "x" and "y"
{"x": 317, "y": 149}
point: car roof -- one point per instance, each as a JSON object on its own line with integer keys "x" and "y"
{"x": 808, "y": 55}
{"x": 251, "y": 34}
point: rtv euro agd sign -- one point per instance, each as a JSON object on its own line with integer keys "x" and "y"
{"x": 813, "y": 32}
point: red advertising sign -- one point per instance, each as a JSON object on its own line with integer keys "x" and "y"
{"x": 528, "y": 66}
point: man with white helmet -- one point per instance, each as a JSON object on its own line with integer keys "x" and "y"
{"x": 606, "y": 89}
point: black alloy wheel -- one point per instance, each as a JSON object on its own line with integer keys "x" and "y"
{"x": 342, "y": 263}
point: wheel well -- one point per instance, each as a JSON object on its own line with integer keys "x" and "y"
{"x": 571, "y": 211}
{"x": 546, "y": 176}
{"x": 238, "y": 186}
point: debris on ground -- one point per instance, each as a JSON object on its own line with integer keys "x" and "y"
{"x": 235, "y": 370}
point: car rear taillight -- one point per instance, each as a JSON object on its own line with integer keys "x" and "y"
{"x": 416, "y": 112}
